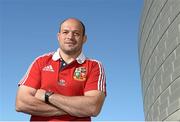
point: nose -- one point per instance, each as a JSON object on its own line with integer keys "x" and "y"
{"x": 70, "y": 35}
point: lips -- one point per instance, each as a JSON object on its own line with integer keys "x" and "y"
{"x": 70, "y": 42}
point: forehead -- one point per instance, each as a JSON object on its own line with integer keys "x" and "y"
{"x": 71, "y": 25}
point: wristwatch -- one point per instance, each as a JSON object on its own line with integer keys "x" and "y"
{"x": 47, "y": 95}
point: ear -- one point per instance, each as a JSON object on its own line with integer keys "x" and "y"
{"x": 84, "y": 38}
{"x": 58, "y": 36}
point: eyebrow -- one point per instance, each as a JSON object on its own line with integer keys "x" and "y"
{"x": 71, "y": 30}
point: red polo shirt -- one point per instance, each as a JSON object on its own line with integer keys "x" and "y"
{"x": 74, "y": 79}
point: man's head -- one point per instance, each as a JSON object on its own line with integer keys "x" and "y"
{"x": 71, "y": 36}
{"x": 82, "y": 24}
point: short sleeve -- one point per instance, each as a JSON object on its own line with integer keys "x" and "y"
{"x": 32, "y": 76}
{"x": 96, "y": 78}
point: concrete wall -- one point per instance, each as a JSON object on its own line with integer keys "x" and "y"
{"x": 159, "y": 57}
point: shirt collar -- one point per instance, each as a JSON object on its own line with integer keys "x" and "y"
{"x": 80, "y": 59}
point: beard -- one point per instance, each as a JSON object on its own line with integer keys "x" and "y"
{"x": 71, "y": 50}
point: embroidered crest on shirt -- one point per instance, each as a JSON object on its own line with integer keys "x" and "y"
{"x": 62, "y": 82}
{"x": 48, "y": 68}
{"x": 80, "y": 74}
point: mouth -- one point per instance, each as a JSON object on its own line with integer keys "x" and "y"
{"x": 70, "y": 42}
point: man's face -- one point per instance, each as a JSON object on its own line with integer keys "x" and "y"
{"x": 71, "y": 37}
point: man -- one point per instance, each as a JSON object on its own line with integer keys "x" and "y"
{"x": 64, "y": 85}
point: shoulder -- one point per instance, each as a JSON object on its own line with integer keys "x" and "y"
{"x": 94, "y": 62}
{"x": 44, "y": 58}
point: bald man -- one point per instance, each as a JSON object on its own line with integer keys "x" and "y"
{"x": 63, "y": 85}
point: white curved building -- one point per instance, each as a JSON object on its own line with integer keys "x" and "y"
{"x": 159, "y": 57}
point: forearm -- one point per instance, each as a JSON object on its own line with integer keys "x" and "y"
{"x": 81, "y": 106}
{"x": 33, "y": 106}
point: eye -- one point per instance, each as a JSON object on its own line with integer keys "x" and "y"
{"x": 64, "y": 32}
{"x": 76, "y": 34}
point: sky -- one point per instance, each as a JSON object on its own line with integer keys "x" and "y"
{"x": 28, "y": 28}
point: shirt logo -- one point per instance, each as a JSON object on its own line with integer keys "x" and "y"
{"x": 48, "y": 68}
{"x": 80, "y": 74}
{"x": 61, "y": 82}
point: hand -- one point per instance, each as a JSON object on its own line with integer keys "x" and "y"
{"x": 40, "y": 94}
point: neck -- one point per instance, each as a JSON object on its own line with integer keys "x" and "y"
{"x": 67, "y": 57}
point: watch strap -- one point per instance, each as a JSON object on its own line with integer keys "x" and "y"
{"x": 47, "y": 95}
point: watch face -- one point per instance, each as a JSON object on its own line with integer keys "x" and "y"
{"x": 49, "y": 93}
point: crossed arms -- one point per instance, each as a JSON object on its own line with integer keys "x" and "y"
{"x": 31, "y": 101}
